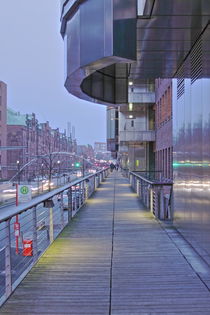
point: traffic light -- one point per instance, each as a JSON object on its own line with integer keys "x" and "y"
{"x": 77, "y": 164}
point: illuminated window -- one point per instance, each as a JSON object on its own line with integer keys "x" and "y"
{"x": 130, "y": 107}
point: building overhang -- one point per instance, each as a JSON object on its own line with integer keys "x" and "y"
{"x": 108, "y": 43}
{"x": 167, "y": 33}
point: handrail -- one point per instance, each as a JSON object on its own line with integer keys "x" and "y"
{"x": 27, "y": 230}
{"x": 156, "y": 195}
{"x": 151, "y": 182}
{"x": 14, "y": 210}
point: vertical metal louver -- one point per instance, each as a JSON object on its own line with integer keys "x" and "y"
{"x": 196, "y": 61}
{"x": 180, "y": 82}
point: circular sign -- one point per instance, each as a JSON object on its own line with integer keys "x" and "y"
{"x": 24, "y": 190}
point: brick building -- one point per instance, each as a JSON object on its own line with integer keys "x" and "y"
{"x": 86, "y": 151}
{"x": 163, "y": 121}
{"x": 35, "y": 139}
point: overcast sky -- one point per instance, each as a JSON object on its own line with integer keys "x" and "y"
{"x": 31, "y": 63}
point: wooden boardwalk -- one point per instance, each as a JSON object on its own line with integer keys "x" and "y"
{"x": 113, "y": 259}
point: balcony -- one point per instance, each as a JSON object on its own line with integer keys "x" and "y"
{"x": 134, "y": 136}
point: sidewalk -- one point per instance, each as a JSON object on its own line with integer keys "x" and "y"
{"x": 113, "y": 259}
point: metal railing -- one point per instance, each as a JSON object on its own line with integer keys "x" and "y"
{"x": 27, "y": 230}
{"x": 129, "y": 135}
{"x": 155, "y": 195}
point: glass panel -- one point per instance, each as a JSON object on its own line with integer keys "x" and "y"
{"x": 141, "y": 5}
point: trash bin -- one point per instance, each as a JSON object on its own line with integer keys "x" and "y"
{"x": 27, "y": 247}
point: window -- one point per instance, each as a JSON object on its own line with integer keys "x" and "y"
{"x": 141, "y": 5}
{"x": 132, "y": 123}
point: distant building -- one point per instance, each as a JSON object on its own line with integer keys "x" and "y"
{"x": 85, "y": 150}
{"x": 35, "y": 139}
{"x": 3, "y": 129}
{"x": 16, "y": 136}
{"x": 100, "y": 146}
{"x": 112, "y": 124}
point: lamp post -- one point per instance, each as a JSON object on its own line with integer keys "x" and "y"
{"x": 17, "y": 222}
{"x": 18, "y": 168}
{"x": 83, "y": 167}
{"x": 42, "y": 166}
{"x": 59, "y": 163}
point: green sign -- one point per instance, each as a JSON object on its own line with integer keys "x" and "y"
{"x": 24, "y": 190}
{"x": 23, "y": 193}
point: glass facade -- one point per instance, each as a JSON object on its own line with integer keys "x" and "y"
{"x": 191, "y": 130}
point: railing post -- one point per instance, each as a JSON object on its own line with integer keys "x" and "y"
{"x": 95, "y": 183}
{"x": 156, "y": 201}
{"x": 171, "y": 203}
{"x": 35, "y": 242}
{"x": 147, "y": 195}
{"x": 69, "y": 194}
{"x": 137, "y": 187}
{"x": 86, "y": 189}
{"x": 75, "y": 199}
{"x": 140, "y": 188}
{"x": 83, "y": 192}
{"x": 151, "y": 199}
{"x": 161, "y": 203}
{"x": 8, "y": 265}
{"x": 143, "y": 192}
{"x": 61, "y": 210}
{"x": 80, "y": 195}
{"x": 51, "y": 225}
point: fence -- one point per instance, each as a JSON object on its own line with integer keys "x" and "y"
{"x": 155, "y": 195}
{"x": 27, "y": 231}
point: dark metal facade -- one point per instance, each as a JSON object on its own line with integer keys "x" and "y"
{"x": 100, "y": 39}
{"x": 107, "y": 43}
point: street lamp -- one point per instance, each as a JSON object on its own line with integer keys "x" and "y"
{"x": 42, "y": 166}
{"x": 18, "y": 167}
{"x": 59, "y": 163}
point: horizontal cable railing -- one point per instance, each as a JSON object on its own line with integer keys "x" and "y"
{"x": 156, "y": 195}
{"x": 27, "y": 230}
